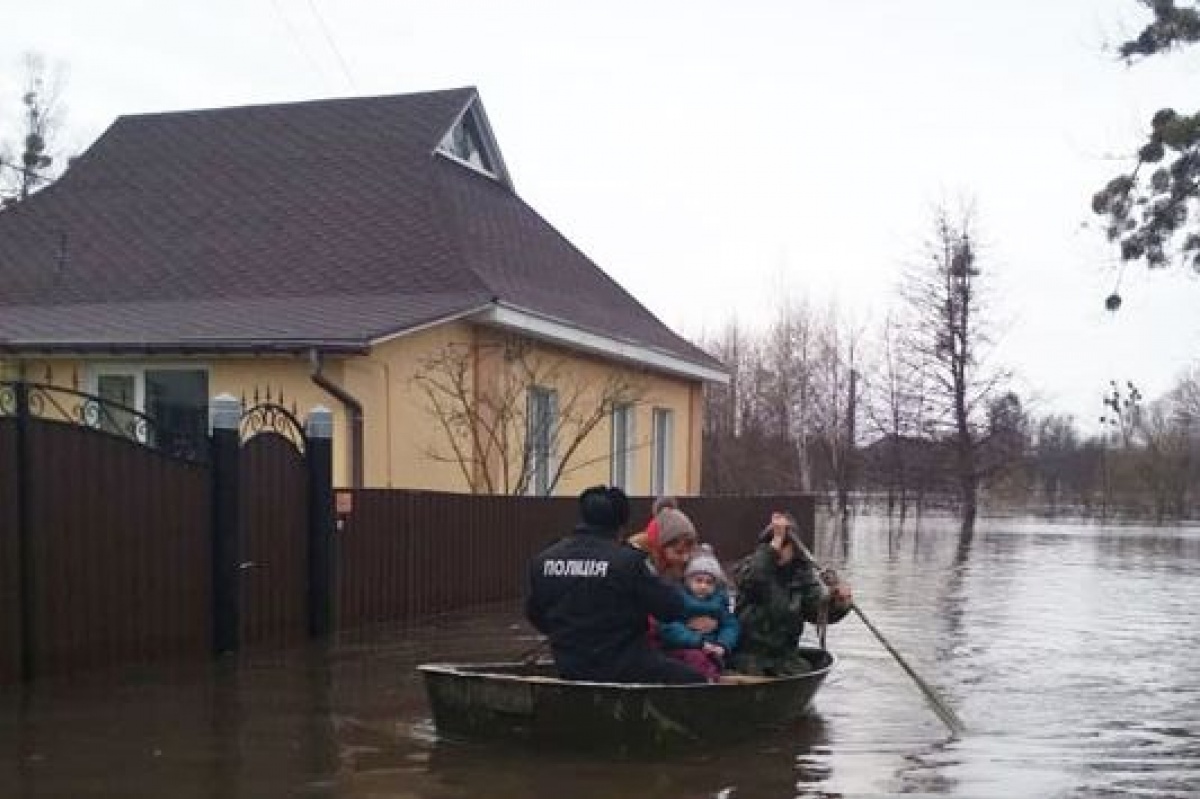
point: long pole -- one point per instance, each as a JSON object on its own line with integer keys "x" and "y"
{"x": 943, "y": 710}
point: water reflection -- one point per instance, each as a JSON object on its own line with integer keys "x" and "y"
{"x": 1066, "y": 648}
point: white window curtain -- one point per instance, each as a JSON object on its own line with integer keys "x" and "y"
{"x": 622, "y": 450}
{"x": 661, "y": 466}
{"x": 541, "y": 413}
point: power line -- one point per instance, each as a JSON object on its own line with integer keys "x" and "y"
{"x": 294, "y": 36}
{"x": 332, "y": 44}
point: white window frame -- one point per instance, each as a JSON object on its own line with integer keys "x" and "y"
{"x": 622, "y": 453}
{"x": 120, "y": 370}
{"x": 137, "y": 370}
{"x": 535, "y": 463}
{"x": 662, "y": 446}
{"x": 473, "y": 117}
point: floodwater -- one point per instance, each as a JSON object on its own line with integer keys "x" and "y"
{"x": 1068, "y": 650}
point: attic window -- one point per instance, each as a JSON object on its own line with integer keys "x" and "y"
{"x": 467, "y": 142}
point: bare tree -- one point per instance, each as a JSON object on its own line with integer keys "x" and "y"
{"x": 1185, "y": 396}
{"x": 835, "y": 403}
{"x": 748, "y": 447}
{"x": 789, "y": 352}
{"x": 517, "y": 424}
{"x": 947, "y": 334}
{"x": 731, "y": 413}
{"x": 895, "y": 412}
{"x": 1165, "y": 460}
{"x": 1056, "y": 444}
{"x": 30, "y": 165}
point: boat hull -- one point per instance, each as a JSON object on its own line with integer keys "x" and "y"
{"x": 510, "y": 702}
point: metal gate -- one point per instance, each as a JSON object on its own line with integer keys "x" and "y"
{"x": 121, "y": 542}
{"x": 273, "y": 517}
{"x": 104, "y": 536}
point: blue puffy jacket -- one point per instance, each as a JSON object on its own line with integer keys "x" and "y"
{"x": 676, "y": 635}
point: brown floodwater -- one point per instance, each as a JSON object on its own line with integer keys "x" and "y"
{"x": 1068, "y": 650}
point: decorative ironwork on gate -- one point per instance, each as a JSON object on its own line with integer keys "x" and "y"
{"x": 59, "y": 404}
{"x": 268, "y": 414}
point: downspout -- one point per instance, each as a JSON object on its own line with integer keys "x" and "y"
{"x": 354, "y": 413}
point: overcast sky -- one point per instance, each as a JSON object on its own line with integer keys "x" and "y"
{"x": 713, "y": 157}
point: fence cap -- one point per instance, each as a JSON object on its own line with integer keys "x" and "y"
{"x": 226, "y": 412}
{"x": 319, "y": 423}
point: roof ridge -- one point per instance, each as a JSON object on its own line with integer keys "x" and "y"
{"x": 296, "y": 103}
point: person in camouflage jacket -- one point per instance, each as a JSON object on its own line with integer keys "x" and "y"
{"x": 778, "y": 589}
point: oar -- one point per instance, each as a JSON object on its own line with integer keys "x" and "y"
{"x": 943, "y": 710}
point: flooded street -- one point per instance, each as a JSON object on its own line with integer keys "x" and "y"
{"x": 1067, "y": 650}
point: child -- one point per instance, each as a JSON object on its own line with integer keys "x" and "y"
{"x": 704, "y": 596}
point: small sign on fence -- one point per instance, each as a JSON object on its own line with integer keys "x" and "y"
{"x": 344, "y": 503}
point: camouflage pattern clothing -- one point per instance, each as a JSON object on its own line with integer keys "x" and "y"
{"x": 773, "y": 602}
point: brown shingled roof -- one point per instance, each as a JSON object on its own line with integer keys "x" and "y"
{"x": 327, "y": 223}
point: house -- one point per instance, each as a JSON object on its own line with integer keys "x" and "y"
{"x": 369, "y": 255}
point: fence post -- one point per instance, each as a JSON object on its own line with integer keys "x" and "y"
{"x": 226, "y": 455}
{"x": 26, "y": 561}
{"x": 319, "y": 429}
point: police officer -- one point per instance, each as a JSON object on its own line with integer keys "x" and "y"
{"x": 591, "y": 597}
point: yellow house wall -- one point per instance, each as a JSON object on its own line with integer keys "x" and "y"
{"x": 404, "y": 444}
{"x": 240, "y": 376}
{"x": 289, "y": 377}
{"x": 684, "y": 474}
{"x": 61, "y": 372}
{"x": 571, "y": 375}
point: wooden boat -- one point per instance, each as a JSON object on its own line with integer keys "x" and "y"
{"x": 514, "y": 702}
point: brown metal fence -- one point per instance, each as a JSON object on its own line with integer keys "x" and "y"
{"x": 121, "y": 551}
{"x": 403, "y": 555}
{"x": 10, "y": 574}
{"x": 133, "y": 555}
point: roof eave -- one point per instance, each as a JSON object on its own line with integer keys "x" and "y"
{"x": 555, "y": 331}
{"x": 190, "y": 347}
{"x": 419, "y": 327}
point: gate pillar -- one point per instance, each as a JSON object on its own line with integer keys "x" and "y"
{"x": 226, "y": 549}
{"x": 320, "y": 521}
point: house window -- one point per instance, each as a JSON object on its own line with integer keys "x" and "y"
{"x": 660, "y": 467}
{"x": 541, "y": 412}
{"x": 622, "y": 447}
{"x": 175, "y": 400}
{"x": 467, "y": 142}
{"x": 118, "y": 392}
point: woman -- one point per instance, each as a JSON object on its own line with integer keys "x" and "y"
{"x": 668, "y": 543}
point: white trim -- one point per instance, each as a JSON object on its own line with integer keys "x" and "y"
{"x": 485, "y": 129}
{"x": 137, "y": 374}
{"x": 556, "y": 332}
{"x": 441, "y": 320}
{"x": 489, "y": 141}
{"x": 449, "y": 156}
{"x": 137, "y": 370}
